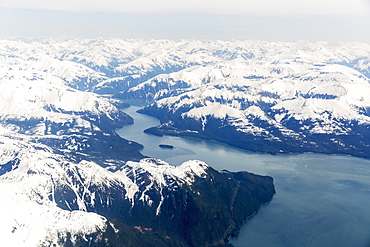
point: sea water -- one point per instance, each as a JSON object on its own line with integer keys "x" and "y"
{"x": 321, "y": 200}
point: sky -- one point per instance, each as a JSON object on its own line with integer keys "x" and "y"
{"x": 271, "y": 20}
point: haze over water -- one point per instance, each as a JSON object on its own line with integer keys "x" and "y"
{"x": 321, "y": 200}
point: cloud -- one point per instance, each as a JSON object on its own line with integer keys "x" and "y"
{"x": 225, "y": 7}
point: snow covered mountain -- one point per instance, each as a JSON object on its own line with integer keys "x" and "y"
{"x": 67, "y": 179}
{"x": 265, "y": 96}
{"x": 283, "y": 98}
{"x": 317, "y": 108}
{"x": 64, "y": 164}
{"x": 48, "y": 199}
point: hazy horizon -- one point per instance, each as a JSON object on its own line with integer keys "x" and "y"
{"x": 268, "y": 20}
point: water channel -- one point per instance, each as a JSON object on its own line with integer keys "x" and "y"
{"x": 321, "y": 200}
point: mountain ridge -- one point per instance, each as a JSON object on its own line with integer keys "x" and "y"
{"x": 66, "y": 177}
{"x": 57, "y": 131}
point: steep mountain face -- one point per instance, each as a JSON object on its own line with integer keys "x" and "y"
{"x": 49, "y": 199}
{"x": 67, "y": 179}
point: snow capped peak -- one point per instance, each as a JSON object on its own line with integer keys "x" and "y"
{"x": 215, "y": 110}
{"x": 190, "y": 169}
{"x": 185, "y": 173}
{"x": 149, "y": 174}
{"x": 161, "y": 173}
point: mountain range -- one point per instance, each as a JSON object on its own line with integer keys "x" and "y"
{"x": 69, "y": 180}
{"x": 275, "y": 97}
{"x": 66, "y": 177}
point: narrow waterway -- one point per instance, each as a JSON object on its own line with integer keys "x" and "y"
{"x": 321, "y": 200}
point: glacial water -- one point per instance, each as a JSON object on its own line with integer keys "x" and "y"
{"x": 321, "y": 200}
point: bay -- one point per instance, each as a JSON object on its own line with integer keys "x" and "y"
{"x": 321, "y": 200}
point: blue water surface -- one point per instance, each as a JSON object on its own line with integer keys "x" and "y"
{"x": 321, "y": 200}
